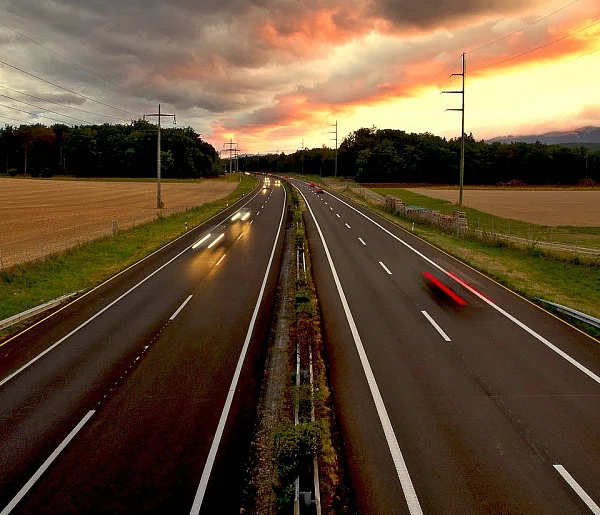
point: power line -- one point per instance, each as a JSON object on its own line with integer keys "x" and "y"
{"x": 510, "y": 34}
{"x": 522, "y": 28}
{"x": 44, "y": 109}
{"x": 13, "y": 119}
{"x": 32, "y": 114}
{"x": 536, "y": 48}
{"x": 62, "y": 105}
{"x": 56, "y": 53}
{"x": 66, "y": 89}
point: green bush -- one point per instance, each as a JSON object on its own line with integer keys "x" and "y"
{"x": 294, "y": 448}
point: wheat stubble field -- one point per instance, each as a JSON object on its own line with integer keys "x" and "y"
{"x": 551, "y": 207}
{"x": 38, "y": 217}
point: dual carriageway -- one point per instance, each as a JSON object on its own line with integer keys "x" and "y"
{"x": 139, "y": 396}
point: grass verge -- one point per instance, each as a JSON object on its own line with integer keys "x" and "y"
{"x": 583, "y": 236}
{"x": 87, "y": 265}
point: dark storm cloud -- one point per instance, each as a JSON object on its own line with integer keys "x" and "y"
{"x": 247, "y": 60}
{"x": 436, "y": 13}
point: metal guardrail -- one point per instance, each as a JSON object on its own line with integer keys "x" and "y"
{"x": 582, "y": 317}
{"x": 7, "y": 322}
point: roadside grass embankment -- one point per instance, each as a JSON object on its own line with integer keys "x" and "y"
{"x": 492, "y": 226}
{"x": 87, "y": 265}
{"x": 531, "y": 271}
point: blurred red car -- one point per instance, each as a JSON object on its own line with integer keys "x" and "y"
{"x": 319, "y": 190}
{"x": 312, "y": 185}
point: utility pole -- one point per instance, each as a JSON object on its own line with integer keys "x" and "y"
{"x": 231, "y": 149}
{"x": 336, "y": 145}
{"x": 159, "y": 203}
{"x": 462, "y": 133}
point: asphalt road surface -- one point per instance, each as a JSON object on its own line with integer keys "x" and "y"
{"x": 490, "y": 407}
{"x": 140, "y": 396}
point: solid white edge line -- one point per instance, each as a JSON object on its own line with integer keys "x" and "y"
{"x": 405, "y": 481}
{"x": 436, "y": 326}
{"x": 11, "y": 505}
{"x": 385, "y": 268}
{"x": 180, "y": 308}
{"x": 105, "y": 308}
{"x": 537, "y": 336}
{"x": 197, "y": 505}
{"x": 594, "y": 508}
{"x": 362, "y": 241}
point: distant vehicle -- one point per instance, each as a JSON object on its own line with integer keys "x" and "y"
{"x": 319, "y": 190}
{"x": 312, "y": 185}
{"x": 242, "y": 214}
{"x": 277, "y": 182}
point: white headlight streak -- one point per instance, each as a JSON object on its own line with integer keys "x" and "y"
{"x": 216, "y": 240}
{"x": 200, "y": 242}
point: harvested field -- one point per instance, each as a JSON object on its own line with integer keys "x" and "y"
{"x": 556, "y": 207}
{"x": 39, "y": 217}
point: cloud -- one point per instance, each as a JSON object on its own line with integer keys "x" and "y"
{"x": 253, "y": 66}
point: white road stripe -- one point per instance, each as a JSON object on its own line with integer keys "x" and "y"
{"x": 362, "y": 241}
{"x": 594, "y": 508}
{"x": 402, "y": 471}
{"x": 221, "y": 259}
{"x": 437, "y": 327}
{"x": 330, "y": 208}
{"x": 385, "y": 268}
{"x": 513, "y": 319}
{"x": 348, "y": 226}
{"x": 337, "y": 214}
{"x": 197, "y": 505}
{"x": 39, "y": 356}
{"x": 180, "y": 308}
{"x": 11, "y": 505}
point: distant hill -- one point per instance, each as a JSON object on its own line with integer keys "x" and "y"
{"x": 586, "y": 136}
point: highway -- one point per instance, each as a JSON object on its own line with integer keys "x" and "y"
{"x": 490, "y": 407}
{"x": 139, "y": 397}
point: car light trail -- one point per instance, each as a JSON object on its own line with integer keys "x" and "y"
{"x": 468, "y": 286}
{"x": 216, "y": 240}
{"x": 439, "y": 284}
{"x": 200, "y": 242}
{"x": 235, "y": 217}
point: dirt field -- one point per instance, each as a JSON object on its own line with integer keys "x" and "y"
{"x": 546, "y": 207}
{"x": 38, "y": 217}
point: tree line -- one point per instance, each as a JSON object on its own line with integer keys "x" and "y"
{"x": 105, "y": 151}
{"x": 366, "y": 155}
{"x": 394, "y": 156}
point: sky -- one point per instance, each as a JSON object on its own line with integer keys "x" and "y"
{"x": 276, "y": 75}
